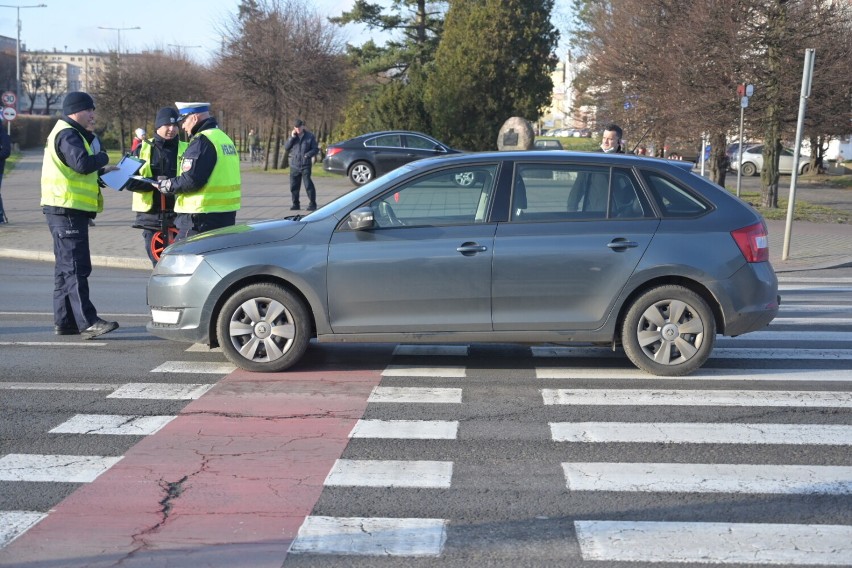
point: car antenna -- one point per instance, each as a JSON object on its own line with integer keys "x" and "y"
{"x": 633, "y": 151}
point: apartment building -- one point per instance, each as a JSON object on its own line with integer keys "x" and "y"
{"x": 52, "y": 74}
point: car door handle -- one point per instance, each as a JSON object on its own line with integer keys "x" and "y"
{"x": 621, "y": 244}
{"x": 470, "y": 249}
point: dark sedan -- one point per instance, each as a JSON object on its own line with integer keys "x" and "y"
{"x": 369, "y": 156}
{"x": 538, "y": 247}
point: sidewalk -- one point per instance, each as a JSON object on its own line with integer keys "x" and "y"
{"x": 114, "y": 243}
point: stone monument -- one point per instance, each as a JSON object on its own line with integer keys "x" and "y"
{"x": 516, "y": 134}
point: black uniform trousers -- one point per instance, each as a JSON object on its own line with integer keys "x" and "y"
{"x": 71, "y": 305}
{"x": 189, "y": 224}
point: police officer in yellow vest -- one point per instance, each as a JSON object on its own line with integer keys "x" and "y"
{"x": 161, "y": 154}
{"x": 207, "y": 189}
{"x": 70, "y": 198}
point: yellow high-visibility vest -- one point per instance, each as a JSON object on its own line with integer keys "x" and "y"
{"x": 222, "y": 191}
{"x": 144, "y": 201}
{"x": 63, "y": 187}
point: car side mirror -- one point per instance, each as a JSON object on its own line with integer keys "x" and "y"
{"x": 361, "y": 218}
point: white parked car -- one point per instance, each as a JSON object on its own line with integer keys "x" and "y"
{"x": 753, "y": 161}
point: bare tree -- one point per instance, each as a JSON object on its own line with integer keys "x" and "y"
{"x": 43, "y": 78}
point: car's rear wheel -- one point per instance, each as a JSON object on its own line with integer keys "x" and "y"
{"x": 263, "y": 327}
{"x": 361, "y": 172}
{"x": 749, "y": 169}
{"x": 669, "y": 331}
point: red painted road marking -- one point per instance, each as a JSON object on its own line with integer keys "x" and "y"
{"x": 227, "y": 483}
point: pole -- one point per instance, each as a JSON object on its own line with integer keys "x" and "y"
{"x": 740, "y": 154}
{"x": 807, "y": 75}
{"x": 118, "y": 45}
{"x": 17, "y": 8}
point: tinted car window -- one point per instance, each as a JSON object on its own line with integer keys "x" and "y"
{"x": 449, "y": 197}
{"x": 420, "y": 142}
{"x": 672, "y": 199}
{"x": 564, "y": 192}
{"x": 386, "y": 141}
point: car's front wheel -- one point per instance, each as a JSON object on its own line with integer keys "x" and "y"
{"x": 749, "y": 169}
{"x": 264, "y": 328}
{"x": 669, "y": 331}
{"x": 361, "y": 172}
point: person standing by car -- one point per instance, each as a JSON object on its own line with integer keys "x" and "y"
{"x": 161, "y": 154}
{"x": 207, "y": 187}
{"x": 611, "y": 140}
{"x": 70, "y": 198}
{"x": 302, "y": 146}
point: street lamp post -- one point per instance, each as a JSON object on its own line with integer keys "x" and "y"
{"x": 180, "y": 47}
{"x": 119, "y": 30}
{"x": 18, "y": 47}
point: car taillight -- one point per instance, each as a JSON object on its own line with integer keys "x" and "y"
{"x": 753, "y": 242}
{"x": 333, "y": 151}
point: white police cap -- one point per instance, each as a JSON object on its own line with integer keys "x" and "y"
{"x": 186, "y": 109}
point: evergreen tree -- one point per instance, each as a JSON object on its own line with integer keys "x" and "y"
{"x": 494, "y": 62}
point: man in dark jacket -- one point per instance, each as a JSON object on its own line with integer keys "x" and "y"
{"x": 161, "y": 154}
{"x": 70, "y": 198}
{"x": 302, "y": 146}
{"x": 5, "y": 151}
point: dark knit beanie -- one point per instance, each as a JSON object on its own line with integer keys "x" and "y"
{"x": 166, "y": 116}
{"x": 77, "y": 101}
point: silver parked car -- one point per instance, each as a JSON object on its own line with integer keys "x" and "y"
{"x": 538, "y": 247}
{"x": 753, "y": 161}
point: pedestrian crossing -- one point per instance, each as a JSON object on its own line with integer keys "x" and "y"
{"x": 422, "y": 411}
{"x": 802, "y": 354}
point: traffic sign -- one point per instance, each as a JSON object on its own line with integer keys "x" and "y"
{"x": 9, "y": 99}
{"x": 9, "y": 113}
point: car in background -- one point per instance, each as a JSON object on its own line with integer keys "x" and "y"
{"x": 753, "y": 161}
{"x": 372, "y": 155}
{"x": 540, "y": 248}
{"x": 547, "y": 144}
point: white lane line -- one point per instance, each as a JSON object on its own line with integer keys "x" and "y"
{"x": 57, "y": 468}
{"x": 15, "y": 523}
{"x": 433, "y": 350}
{"x": 160, "y": 391}
{"x": 718, "y": 353}
{"x": 53, "y": 343}
{"x": 639, "y": 397}
{"x": 112, "y": 424}
{"x": 370, "y": 536}
{"x": 60, "y": 386}
{"x": 701, "y": 433}
{"x": 418, "y": 371}
{"x": 406, "y": 429}
{"x": 416, "y": 395}
{"x": 204, "y": 367}
{"x": 715, "y": 543}
{"x": 797, "y": 336}
{"x": 390, "y": 473}
{"x": 833, "y": 308}
{"x": 708, "y": 478}
{"x": 705, "y": 374}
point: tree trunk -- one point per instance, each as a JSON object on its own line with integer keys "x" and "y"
{"x": 776, "y": 26}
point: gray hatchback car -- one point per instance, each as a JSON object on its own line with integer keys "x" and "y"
{"x": 535, "y": 247}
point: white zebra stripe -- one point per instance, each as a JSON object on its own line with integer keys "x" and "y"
{"x": 704, "y": 374}
{"x": 432, "y": 350}
{"x": 370, "y": 536}
{"x": 160, "y": 391}
{"x": 112, "y": 424}
{"x": 417, "y": 371}
{"x": 15, "y": 523}
{"x": 652, "y": 397}
{"x": 57, "y": 468}
{"x": 701, "y": 433}
{"x": 715, "y": 543}
{"x": 204, "y": 367}
{"x": 708, "y": 478}
{"x": 390, "y": 473}
{"x": 416, "y": 395}
{"x": 406, "y": 429}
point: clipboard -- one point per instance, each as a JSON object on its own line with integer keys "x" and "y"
{"x": 128, "y": 167}
{"x": 143, "y": 178}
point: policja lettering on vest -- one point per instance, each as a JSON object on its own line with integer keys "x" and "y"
{"x": 207, "y": 188}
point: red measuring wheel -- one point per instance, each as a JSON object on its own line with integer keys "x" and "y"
{"x": 158, "y": 245}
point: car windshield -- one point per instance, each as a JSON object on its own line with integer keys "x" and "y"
{"x": 359, "y": 193}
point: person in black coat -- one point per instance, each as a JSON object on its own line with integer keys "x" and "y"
{"x": 5, "y": 152}
{"x": 611, "y": 140}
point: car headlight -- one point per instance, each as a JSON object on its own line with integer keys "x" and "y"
{"x": 178, "y": 264}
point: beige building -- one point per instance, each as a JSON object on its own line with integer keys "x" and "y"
{"x": 52, "y": 74}
{"x": 564, "y": 111}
